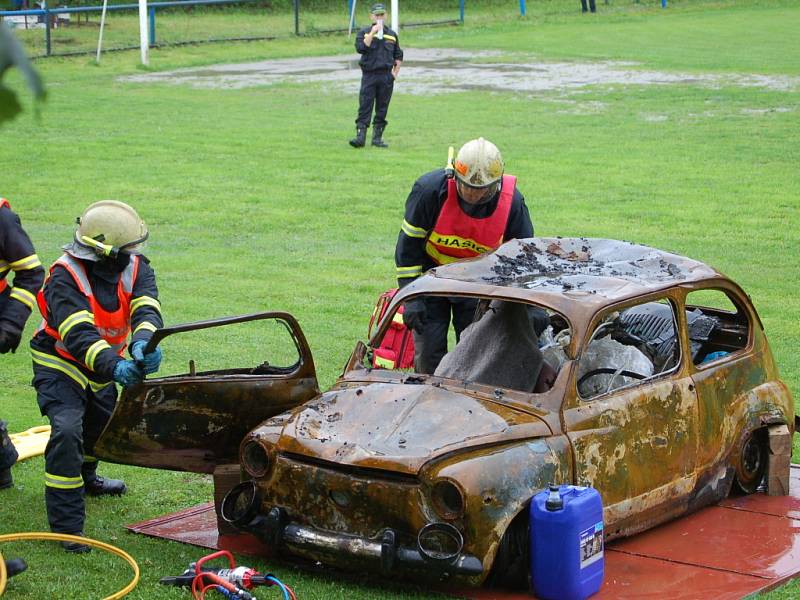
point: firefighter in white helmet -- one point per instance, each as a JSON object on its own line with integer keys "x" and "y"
{"x": 449, "y": 216}
{"x": 100, "y": 296}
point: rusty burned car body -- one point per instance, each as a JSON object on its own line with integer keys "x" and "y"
{"x": 651, "y": 381}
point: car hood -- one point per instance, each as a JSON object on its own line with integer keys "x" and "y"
{"x": 400, "y": 427}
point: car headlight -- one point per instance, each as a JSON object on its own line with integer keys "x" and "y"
{"x": 448, "y": 499}
{"x": 255, "y": 459}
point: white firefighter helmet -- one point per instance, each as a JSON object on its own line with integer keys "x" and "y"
{"x": 110, "y": 226}
{"x": 479, "y": 164}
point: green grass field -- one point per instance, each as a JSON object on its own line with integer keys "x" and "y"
{"x": 256, "y": 202}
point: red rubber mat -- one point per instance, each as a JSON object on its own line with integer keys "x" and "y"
{"x": 736, "y": 548}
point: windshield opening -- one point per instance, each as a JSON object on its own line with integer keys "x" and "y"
{"x": 499, "y": 343}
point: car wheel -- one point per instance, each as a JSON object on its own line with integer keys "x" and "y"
{"x": 752, "y": 462}
{"x": 512, "y": 561}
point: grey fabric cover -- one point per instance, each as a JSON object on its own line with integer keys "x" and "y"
{"x": 501, "y": 349}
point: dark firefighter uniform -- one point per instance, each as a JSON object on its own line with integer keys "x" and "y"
{"x": 90, "y": 308}
{"x": 377, "y": 81}
{"x": 16, "y": 303}
{"x": 439, "y": 228}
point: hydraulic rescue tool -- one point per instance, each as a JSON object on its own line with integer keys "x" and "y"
{"x": 232, "y": 582}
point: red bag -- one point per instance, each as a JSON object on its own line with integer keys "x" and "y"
{"x": 396, "y": 349}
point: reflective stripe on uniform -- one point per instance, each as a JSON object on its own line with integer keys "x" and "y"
{"x": 440, "y": 258}
{"x": 62, "y": 483}
{"x": 413, "y": 271}
{"x": 61, "y": 365}
{"x": 67, "y": 368}
{"x": 117, "y": 348}
{"x": 146, "y": 325}
{"x": 89, "y": 459}
{"x": 128, "y": 276}
{"x": 24, "y": 296}
{"x": 23, "y": 264}
{"x": 141, "y": 301}
{"x": 82, "y": 316}
{"x": 78, "y": 272}
{"x": 411, "y": 231}
{"x": 94, "y": 350}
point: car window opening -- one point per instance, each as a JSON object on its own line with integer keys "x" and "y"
{"x": 717, "y": 327}
{"x": 630, "y": 346}
{"x": 267, "y": 344}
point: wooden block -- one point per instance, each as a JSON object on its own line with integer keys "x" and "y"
{"x": 225, "y": 478}
{"x": 780, "y": 440}
{"x": 778, "y": 474}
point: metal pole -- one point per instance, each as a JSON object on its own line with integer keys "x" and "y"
{"x": 395, "y": 16}
{"x": 47, "y": 41}
{"x": 522, "y": 7}
{"x": 143, "y": 33}
{"x": 352, "y": 18}
{"x": 152, "y": 14}
{"x": 296, "y": 17}
{"x": 102, "y": 28}
{"x": 461, "y": 11}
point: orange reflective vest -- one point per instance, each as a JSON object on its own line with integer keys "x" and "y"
{"x": 3, "y": 282}
{"x": 456, "y": 235}
{"x": 113, "y": 327}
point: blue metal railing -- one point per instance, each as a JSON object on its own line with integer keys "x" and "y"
{"x": 48, "y": 13}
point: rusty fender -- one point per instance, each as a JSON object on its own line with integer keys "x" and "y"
{"x": 497, "y": 483}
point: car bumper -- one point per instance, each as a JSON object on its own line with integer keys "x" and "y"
{"x": 384, "y": 553}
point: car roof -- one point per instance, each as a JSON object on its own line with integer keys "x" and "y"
{"x": 559, "y": 272}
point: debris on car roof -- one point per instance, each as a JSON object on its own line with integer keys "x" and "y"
{"x": 584, "y": 265}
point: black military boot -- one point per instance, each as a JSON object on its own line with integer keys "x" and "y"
{"x": 76, "y": 547}
{"x": 6, "y": 481}
{"x": 377, "y": 138}
{"x": 100, "y": 486}
{"x": 360, "y": 139}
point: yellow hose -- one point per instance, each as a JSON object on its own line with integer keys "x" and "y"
{"x": 62, "y": 537}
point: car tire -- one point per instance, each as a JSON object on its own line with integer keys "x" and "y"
{"x": 751, "y": 463}
{"x": 512, "y": 562}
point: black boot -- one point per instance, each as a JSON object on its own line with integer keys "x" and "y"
{"x": 6, "y": 481}
{"x": 360, "y": 139}
{"x": 76, "y": 547}
{"x": 100, "y": 486}
{"x": 15, "y": 566}
{"x": 377, "y": 137}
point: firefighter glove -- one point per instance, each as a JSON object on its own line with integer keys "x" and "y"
{"x": 151, "y": 361}
{"x": 128, "y": 373}
{"x": 9, "y": 341}
{"x": 414, "y": 314}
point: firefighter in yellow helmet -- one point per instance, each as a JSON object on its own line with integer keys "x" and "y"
{"x": 100, "y": 296}
{"x": 448, "y": 218}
